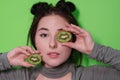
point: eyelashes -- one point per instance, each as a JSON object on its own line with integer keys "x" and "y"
{"x": 43, "y": 35}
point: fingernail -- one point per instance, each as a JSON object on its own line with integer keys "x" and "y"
{"x": 72, "y": 24}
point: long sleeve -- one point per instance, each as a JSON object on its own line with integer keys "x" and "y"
{"x": 106, "y": 55}
{"x": 7, "y": 73}
{"x": 4, "y": 64}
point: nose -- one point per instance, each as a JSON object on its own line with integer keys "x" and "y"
{"x": 53, "y": 43}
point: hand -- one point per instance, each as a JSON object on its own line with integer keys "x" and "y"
{"x": 17, "y": 56}
{"x": 83, "y": 43}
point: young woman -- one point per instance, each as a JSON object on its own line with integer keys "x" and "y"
{"x": 56, "y": 64}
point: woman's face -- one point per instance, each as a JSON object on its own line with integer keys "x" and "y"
{"x": 52, "y": 51}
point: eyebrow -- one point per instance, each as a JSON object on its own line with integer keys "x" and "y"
{"x": 47, "y": 29}
{"x": 43, "y": 29}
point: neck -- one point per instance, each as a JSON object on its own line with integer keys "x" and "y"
{"x": 56, "y": 72}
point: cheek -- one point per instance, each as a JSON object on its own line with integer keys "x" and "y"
{"x": 66, "y": 54}
{"x": 40, "y": 45}
{"x": 66, "y": 50}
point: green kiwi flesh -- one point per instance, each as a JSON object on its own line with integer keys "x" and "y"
{"x": 34, "y": 59}
{"x": 64, "y": 36}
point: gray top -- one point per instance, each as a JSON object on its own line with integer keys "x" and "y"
{"x": 100, "y": 53}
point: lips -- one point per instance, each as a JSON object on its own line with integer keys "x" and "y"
{"x": 53, "y": 54}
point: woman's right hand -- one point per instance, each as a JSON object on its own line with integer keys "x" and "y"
{"x": 17, "y": 56}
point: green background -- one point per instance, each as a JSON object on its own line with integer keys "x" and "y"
{"x": 100, "y": 17}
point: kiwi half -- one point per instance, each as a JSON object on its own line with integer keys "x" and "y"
{"x": 34, "y": 59}
{"x": 64, "y": 36}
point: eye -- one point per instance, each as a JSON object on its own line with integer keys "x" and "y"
{"x": 43, "y": 35}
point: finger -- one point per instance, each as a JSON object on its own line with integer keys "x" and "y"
{"x": 20, "y": 50}
{"x": 35, "y": 51}
{"x": 82, "y": 31}
{"x": 67, "y": 25}
{"x": 73, "y": 29}
{"x": 78, "y": 28}
{"x": 28, "y": 49}
{"x": 17, "y": 51}
{"x": 81, "y": 35}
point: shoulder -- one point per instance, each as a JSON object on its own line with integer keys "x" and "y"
{"x": 13, "y": 74}
{"x": 96, "y": 72}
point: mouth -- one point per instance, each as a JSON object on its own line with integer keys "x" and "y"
{"x": 53, "y": 54}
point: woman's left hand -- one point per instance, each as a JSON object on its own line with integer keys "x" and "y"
{"x": 84, "y": 42}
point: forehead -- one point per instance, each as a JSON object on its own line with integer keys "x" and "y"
{"x": 52, "y": 22}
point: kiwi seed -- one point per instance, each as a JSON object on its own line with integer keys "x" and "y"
{"x": 64, "y": 36}
{"x": 34, "y": 59}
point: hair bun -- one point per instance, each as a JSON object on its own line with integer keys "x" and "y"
{"x": 39, "y": 7}
{"x": 66, "y": 5}
{"x": 71, "y": 6}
